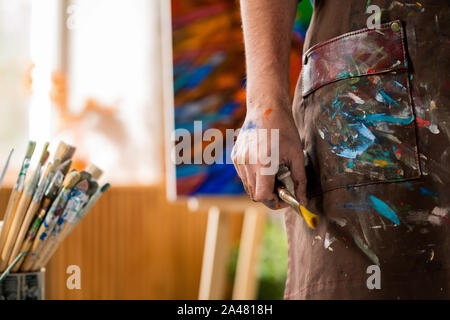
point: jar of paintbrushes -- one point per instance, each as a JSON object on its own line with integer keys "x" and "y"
{"x": 41, "y": 212}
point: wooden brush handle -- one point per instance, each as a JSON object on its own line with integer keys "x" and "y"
{"x": 28, "y": 262}
{"x": 30, "y": 240}
{"x": 51, "y": 247}
{"x": 25, "y": 247}
{"x": 34, "y": 207}
{"x": 14, "y": 229}
{"x": 44, "y": 257}
{"x": 9, "y": 214}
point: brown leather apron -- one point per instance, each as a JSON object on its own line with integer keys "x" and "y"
{"x": 373, "y": 111}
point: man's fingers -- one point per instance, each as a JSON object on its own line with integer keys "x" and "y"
{"x": 265, "y": 192}
{"x": 264, "y": 187}
{"x": 298, "y": 174}
{"x": 251, "y": 181}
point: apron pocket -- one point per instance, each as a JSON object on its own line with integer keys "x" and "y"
{"x": 356, "y": 93}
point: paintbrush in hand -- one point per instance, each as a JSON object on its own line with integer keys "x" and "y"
{"x": 284, "y": 186}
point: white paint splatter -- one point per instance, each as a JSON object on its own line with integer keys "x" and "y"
{"x": 441, "y": 212}
{"x": 396, "y": 63}
{"x": 379, "y": 97}
{"x": 356, "y": 98}
{"x": 431, "y": 255}
{"x": 370, "y": 254}
{"x": 322, "y": 135}
{"x": 390, "y": 137}
{"x": 341, "y": 222}
{"x": 328, "y": 241}
{"x": 433, "y": 128}
{"x": 433, "y": 105}
{"x": 436, "y": 221}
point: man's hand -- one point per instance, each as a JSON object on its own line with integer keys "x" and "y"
{"x": 268, "y": 28}
{"x": 258, "y": 180}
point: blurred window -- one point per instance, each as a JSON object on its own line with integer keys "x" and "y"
{"x": 113, "y": 111}
{"x": 15, "y": 85}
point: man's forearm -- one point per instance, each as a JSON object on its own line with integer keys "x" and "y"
{"x": 268, "y": 28}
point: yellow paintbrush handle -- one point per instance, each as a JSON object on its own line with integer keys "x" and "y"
{"x": 312, "y": 220}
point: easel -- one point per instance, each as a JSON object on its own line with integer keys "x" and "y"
{"x": 216, "y": 250}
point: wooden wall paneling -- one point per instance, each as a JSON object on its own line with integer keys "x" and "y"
{"x": 133, "y": 245}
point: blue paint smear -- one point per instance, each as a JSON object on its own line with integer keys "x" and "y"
{"x": 410, "y": 186}
{"x": 384, "y": 209}
{"x": 249, "y": 125}
{"x": 382, "y": 117}
{"x": 428, "y": 192}
{"x": 357, "y": 206}
{"x": 337, "y": 108}
{"x": 387, "y": 98}
{"x": 351, "y": 164}
{"x": 364, "y": 140}
{"x": 399, "y": 85}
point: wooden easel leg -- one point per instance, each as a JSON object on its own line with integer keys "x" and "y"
{"x": 215, "y": 256}
{"x": 245, "y": 283}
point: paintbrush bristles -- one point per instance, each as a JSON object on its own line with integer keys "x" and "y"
{"x": 93, "y": 187}
{"x": 70, "y": 152}
{"x": 64, "y": 151}
{"x": 65, "y": 166}
{"x": 30, "y": 149}
{"x": 45, "y": 158}
{"x": 60, "y": 150}
{"x": 95, "y": 171}
{"x": 45, "y": 154}
{"x": 84, "y": 175}
{"x": 72, "y": 180}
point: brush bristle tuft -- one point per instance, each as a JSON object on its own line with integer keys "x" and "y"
{"x": 30, "y": 149}
{"x": 44, "y": 154}
{"x": 45, "y": 158}
{"x": 72, "y": 179}
{"x": 64, "y": 151}
{"x": 95, "y": 171}
{"x": 93, "y": 187}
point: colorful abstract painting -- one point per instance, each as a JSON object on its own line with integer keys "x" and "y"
{"x": 209, "y": 83}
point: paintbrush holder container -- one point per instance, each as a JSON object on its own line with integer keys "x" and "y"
{"x": 23, "y": 286}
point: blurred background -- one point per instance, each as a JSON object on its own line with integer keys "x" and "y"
{"x": 114, "y": 78}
